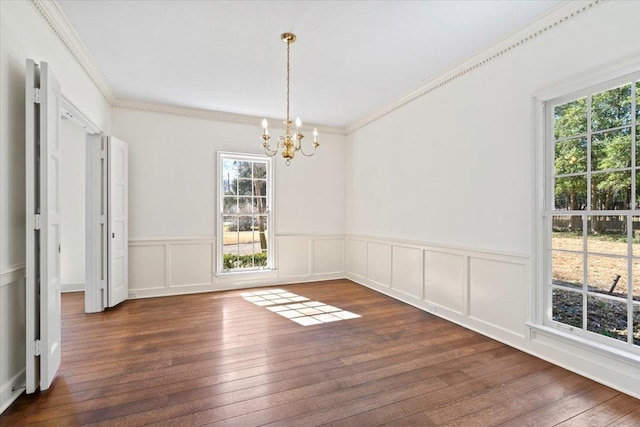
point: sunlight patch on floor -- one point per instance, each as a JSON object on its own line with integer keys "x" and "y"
{"x": 297, "y": 308}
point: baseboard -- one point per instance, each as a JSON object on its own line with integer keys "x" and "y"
{"x": 72, "y": 287}
{"x": 11, "y": 389}
{"x": 210, "y": 287}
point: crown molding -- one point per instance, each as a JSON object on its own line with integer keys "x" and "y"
{"x": 63, "y": 29}
{"x": 217, "y": 116}
{"x": 559, "y": 15}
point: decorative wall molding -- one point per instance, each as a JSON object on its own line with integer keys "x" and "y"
{"x": 11, "y": 389}
{"x": 11, "y": 274}
{"x": 12, "y": 291}
{"x": 172, "y": 266}
{"x": 487, "y": 292}
{"x": 216, "y": 116}
{"x": 62, "y": 28}
{"x": 560, "y": 15}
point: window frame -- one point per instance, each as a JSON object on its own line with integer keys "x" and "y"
{"x": 256, "y": 273}
{"x": 543, "y": 104}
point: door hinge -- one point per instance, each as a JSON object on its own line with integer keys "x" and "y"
{"x": 36, "y": 95}
{"x": 102, "y": 154}
{"x": 36, "y": 222}
{"x": 36, "y": 348}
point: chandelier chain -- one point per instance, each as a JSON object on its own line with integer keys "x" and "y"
{"x": 288, "y": 71}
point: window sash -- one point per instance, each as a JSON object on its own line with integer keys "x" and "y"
{"x": 549, "y": 211}
{"x": 223, "y": 190}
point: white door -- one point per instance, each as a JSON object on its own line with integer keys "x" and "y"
{"x": 43, "y": 226}
{"x": 118, "y": 211}
{"x": 96, "y": 251}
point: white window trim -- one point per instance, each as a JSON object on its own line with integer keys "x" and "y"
{"x": 265, "y": 273}
{"x": 573, "y": 88}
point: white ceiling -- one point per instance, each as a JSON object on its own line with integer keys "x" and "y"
{"x": 351, "y": 57}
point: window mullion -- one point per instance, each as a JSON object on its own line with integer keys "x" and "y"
{"x": 585, "y": 218}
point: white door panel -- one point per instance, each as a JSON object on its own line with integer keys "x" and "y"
{"x": 118, "y": 237}
{"x": 43, "y": 226}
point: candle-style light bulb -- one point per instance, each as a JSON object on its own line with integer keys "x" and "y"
{"x": 265, "y": 124}
{"x": 315, "y": 134}
{"x": 298, "y": 122}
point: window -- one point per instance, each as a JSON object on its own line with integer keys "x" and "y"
{"x": 245, "y": 232}
{"x": 592, "y": 221}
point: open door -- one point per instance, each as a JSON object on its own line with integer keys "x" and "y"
{"x": 43, "y": 226}
{"x": 107, "y": 233}
{"x": 118, "y": 208}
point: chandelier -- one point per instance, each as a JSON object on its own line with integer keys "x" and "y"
{"x": 290, "y": 143}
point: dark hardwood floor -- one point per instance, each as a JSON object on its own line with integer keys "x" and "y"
{"x": 218, "y": 359}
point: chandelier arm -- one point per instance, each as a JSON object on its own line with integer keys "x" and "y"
{"x": 267, "y": 149}
{"x": 269, "y": 152}
{"x": 305, "y": 154}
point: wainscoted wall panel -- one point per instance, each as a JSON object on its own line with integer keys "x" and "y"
{"x": 12, "y": 334}
{"x": 357, "y": 258}
{"x": 159, "y": 267}
{"x": 491, "y": 281}
{"x": 328, "y": 256}
{"x": 293, "y": 256}
{"x": 192, "y": 263}
{"x": 147, "y": 265}
{"x": 406, "y": 271}
{"x": 379, "y": 263}
{"x": 444, "y": 280}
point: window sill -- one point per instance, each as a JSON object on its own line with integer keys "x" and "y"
{"x": 627, "y": 357}
{"x": 243, "y": 276}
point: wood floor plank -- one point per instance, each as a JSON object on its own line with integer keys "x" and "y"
{"x": 218, "y": 359}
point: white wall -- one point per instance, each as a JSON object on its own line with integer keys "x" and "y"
{"x": 446, "y": 223}
{"x": 72, "y": 206}
{"x": 25, "y": 34}
{"x": 172, "y": 201}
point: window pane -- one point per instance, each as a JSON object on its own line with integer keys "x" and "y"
{"x": 638, "y": 145}
{"x": 638, "y": 101}
{"x": 611, "y": 108}
{"x": 635, "y": 221}
{"x": 259, "y": 170}
{"x": 230, "y": 205}
{"x": 567, "y": 269}
{"x": 567, "y": 307}
{"x": 570, "y": 119}
{"x": 611, "y": 150}
{"x": 245, "y": 205}
{"x": 607, "y": 317}
{"x": 636, "y": 324}
{"x": 611, "y": 190}
{"x": 605, "y": 272}
{"x": 260, "y": 205}
{"x": 245, "y": 187}
{"x": 635, "y": 289}
{"x": 567, "y": 232}
{"x": 570, "y": 156}
{"x": 229, "y": 242}
{"x": 229, "y": 177}
{"x": 259, "y": 188}
{"x": 244, "y": 169}
{"x": 571, "y": 193}
{"x": 607, "y": 235}
{"x": 244, "y": 225}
